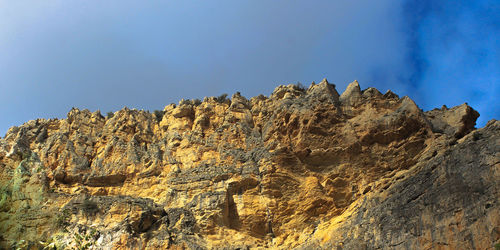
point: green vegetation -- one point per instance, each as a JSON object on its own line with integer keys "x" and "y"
{"x": 196, "y": 102}
{"x": 85, "y": 241}
{"x": 63, "y": 218}
{"x": 299, "y": 86}
{"x": 80, "y": 241}
{"x": 3, "y": 200}
{"x": 158, "y": 114}
{"x": 5, "y": 193}
{"x": 26, "y": 156}
{"x": 21, "y": 245}
{"x": 221, "y": 99}
{"x": 110, "y": 115}
{"x": 89, "y": 207}
{"x": 185, "y": 102}
{"x": 50, "y": 244}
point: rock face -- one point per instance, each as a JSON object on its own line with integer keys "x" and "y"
{"x": 303, "y": 168}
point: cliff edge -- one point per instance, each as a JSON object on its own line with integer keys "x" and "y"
{"x": 304, "y": 168}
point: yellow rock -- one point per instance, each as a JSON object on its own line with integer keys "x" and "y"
{"x": 302, "y": 169}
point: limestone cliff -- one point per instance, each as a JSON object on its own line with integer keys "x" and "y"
{"x": 302, "y": 168}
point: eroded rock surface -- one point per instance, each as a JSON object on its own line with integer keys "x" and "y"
{"x": 302, "y": 168}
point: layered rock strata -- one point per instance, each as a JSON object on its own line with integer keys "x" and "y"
{"x": 302, "y": 168}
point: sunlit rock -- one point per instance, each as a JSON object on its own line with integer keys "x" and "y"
{"x": 302, "y": 168}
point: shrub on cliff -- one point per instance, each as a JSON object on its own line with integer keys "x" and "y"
{"x": 185, "y": 102}
{"x": 5, "y": 193}
{"x": 158, "y": 114}
{"x": 196, "y": 102}
{"x": 89, "y": 207}
{"x": 86, "y": 240}
{"x": 299, "y": 86}
{"x": 63, "y": 218}
{"x": 221, "y": 99}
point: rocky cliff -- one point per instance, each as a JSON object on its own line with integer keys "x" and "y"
{"x": 302, "y": 168}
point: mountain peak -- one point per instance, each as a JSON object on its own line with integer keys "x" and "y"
{"x": 265, "y": 172}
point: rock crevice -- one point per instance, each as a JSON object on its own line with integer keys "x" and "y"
{"x": 303, "y": 168}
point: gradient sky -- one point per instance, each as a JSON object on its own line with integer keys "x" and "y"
{"x": 105, "y": 55}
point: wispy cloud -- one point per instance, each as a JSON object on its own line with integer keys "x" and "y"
{"x": 106, "y": 55}
{"x": 454, "y": 53}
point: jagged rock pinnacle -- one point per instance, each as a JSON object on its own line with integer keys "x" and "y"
{"x": 302, "y": 168}
{"x": 352, "y": 94}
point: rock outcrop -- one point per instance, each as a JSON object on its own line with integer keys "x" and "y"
{"x": 302, "y": 168}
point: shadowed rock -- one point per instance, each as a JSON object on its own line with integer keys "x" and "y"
{"x": 457, "y": 121}
{"x": 305, "y": 169}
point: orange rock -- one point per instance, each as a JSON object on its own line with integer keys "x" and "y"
{"x": 305, "y": 168}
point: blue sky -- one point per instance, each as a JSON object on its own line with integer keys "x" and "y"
{"x": 55, "y": 55}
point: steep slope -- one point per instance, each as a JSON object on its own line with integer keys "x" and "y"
{"x": 302, "y": 168}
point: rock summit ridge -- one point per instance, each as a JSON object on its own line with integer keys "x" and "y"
{"x": 304, "y": 168}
